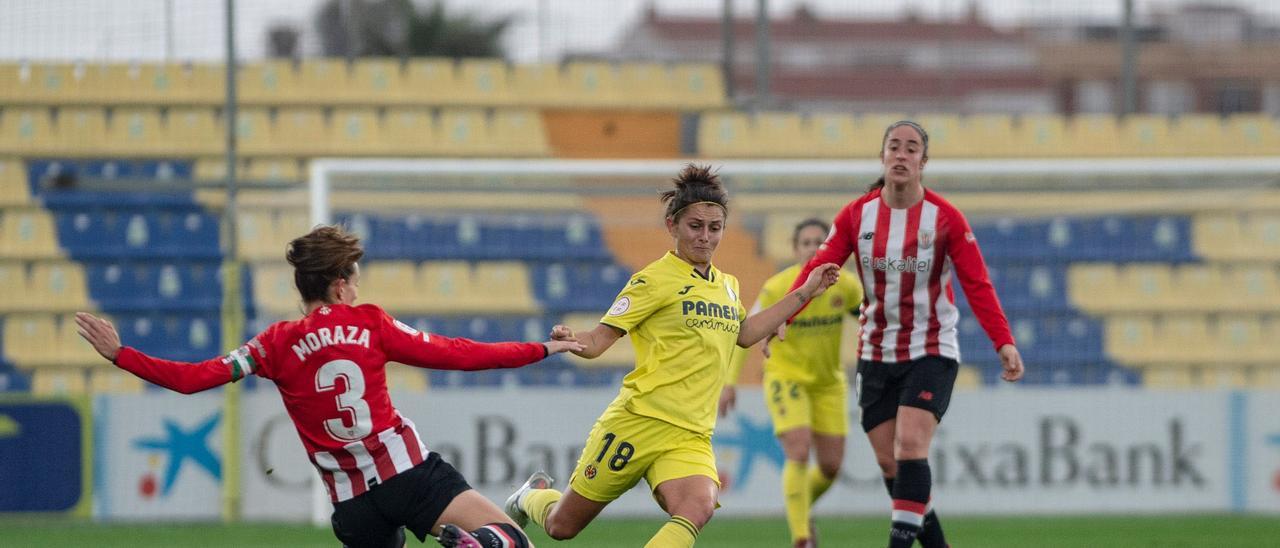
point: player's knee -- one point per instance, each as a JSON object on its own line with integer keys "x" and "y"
{"x": 698, "y": 511}
{"x": 829, "y": 468}
{"x": 888, "y": 465}
{"x": 560, "y": 529}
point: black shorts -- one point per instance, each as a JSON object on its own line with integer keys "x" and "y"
{"x": 414, "y": 499}
{"x": 925, "y": 383}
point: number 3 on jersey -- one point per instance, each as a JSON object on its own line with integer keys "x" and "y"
{"x": 619, "y": 459}
{"x": 350, "y": 403}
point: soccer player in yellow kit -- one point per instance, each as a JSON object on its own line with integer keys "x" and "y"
{"x": 805, "y": 387}
{"x": 686, "y": 321}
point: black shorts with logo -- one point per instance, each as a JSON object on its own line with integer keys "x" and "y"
{"x": 925, "y": 383}
{"x": 414, "y": 499}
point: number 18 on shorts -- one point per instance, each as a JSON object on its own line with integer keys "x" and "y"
{"x": 624, "y": 447}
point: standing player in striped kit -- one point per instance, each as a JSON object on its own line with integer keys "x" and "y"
{"x": 330, "y": 369}
{"x": 907, "y": 240}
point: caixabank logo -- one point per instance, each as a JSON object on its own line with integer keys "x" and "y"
{"x": 753, "y": 443}
{"x": 176, "y": 447}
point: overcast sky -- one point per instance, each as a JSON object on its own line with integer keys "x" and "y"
{"x": 136, "y": 29}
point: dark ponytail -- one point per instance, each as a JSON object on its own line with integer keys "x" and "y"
{"x": 695, "y": 184}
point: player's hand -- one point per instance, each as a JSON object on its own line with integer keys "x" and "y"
{"x": 728, "y": 398}
{"x": 562, "y": 333}
{"x": 556, "y": 347}
{"x": 1011, "y": 361}
{"x": 820, "y": 279}
{"x": 100, "y": 334}
{"x": 780, "y": 334}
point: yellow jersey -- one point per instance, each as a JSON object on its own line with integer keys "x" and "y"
{"x": 685, "y": 331}
{"x": 810, "y": 353}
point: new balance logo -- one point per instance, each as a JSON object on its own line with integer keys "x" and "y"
{"x": 925, "y": 395}
{"x": 868, "y": 235}
{"x": 685, "y": 291}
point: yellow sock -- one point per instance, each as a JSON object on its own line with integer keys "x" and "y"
{"x": 538, "y": 502}
{"x": 677, "y": 533}
{"x": 818, "y": 483}
{"x": 796, "y": 497}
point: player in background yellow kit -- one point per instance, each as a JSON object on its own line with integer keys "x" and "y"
{"x": 805, "y": 387}
{"x": 686, "y": 321}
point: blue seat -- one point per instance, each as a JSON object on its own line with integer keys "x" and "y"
{"x": 181, "y": 337}
{"x": 578, "y": 286}
{"x": 124, "y": 286}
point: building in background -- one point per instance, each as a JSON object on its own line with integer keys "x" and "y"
{"x": 1193, "y": 59}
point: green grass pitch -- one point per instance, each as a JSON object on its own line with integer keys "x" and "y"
{"x": 1042, "y": 532}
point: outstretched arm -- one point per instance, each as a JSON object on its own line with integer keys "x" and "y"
{"x": 184, "y": 377}
{"x": 759, "y": 325}
{"x": 592, "y": 343}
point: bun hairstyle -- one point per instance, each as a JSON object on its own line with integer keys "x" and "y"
{"x": 695, "y": 184}
{"x": 812, "y": 221}
{"x": 325, "y": 254}
{"x": 924, "y": 141}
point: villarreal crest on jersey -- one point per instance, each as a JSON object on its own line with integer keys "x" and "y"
{"x": 685, "y": 331}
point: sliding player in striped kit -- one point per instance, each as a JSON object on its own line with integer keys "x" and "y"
{"x": 907, "y": 240}
{"x": 330, "y": 369}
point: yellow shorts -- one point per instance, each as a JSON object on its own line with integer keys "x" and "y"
{"x": 823, "y": 408}
{"x": 623, "y": 447}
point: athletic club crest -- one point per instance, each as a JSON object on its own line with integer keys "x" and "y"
{"x": 925, "y": 238}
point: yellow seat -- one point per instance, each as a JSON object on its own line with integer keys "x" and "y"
{"x": 13, "y": 275}
{"x": 776, "y": 238}
{"x": 1169, "y": 377}
{"x": 103, "y": 380}
{"x": 1240, "y": 340}
{"x": 1147, "y": 135}
{"x": 463, "y": 132}
{"x": 518, "y": 132}
{"x": 1252, "y": 134}
{"x": 536, "y": 85}
{"x": 323, "y": 81}
{"x": 58, "y": 382}
{"x": 137, "y": 131}
{"x": 446, "y": 285}
{"x": 621, "y": 354}
{"x": 592, "y": 84}
{"x": 393, "y": 285}
{"x": 647, "y": 85}
{"x": 727, "y": 134}
{"x": 30, "y": 340}
{"x": 28, "y": 234}
{"x": 376, "y": 81}
{"x": 255, "y": 234}
{"x": 46, "y": 83}
{"x": 1093, "y": 287}
{"x": 1095, "y": 135}
{"x": 507, "y": 287}
{"x": 59, "y": 286}
{"x": 1043, "y": 136}
{"x": 780, "y": 134}
{"x": 1148, "y": 287}
{"x": 72, "y": 349}
{"x": 210, "y": 169}
{"x": 404, "y": 378}
{"x": 947, "y": 136}
{"x": 200, "y": 83}
{"x": 967, "y": 377}
{"x": 1256, "y": 286}
{"x": 194, "y": 130}
{"x": 271, "y": 170}
{"x": 14, "y": 189}
{"x": 26, "y": 130}
{"x": 1219, "y": 237}
{"x": 254, "y": 131}
{"x": 273, "y": 290}
{"x": 408, "y": 132}
{"x": 82, "y": 131}
{"x": 1185, "y": 338}
{"x": 301, "y": 131}
{"x": 1131, "y": 339}
{"x": 833, "y": 136}
{"x": 357, "y": 131}
{"x": 993, "y": 136}
{"x": 698, "y": 85}
{"x": 1203, "y": 287}
{"x": 431, "y": 81}
{"x": 1199, "y": 135}
{"x": 268, "y": 83}
{"x": 484, "y": 82}
{"x": 1262, "y": 234}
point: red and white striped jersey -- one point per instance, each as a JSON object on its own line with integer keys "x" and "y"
{"x": 330, "y": 369}
{"x": 904, "y": 258}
